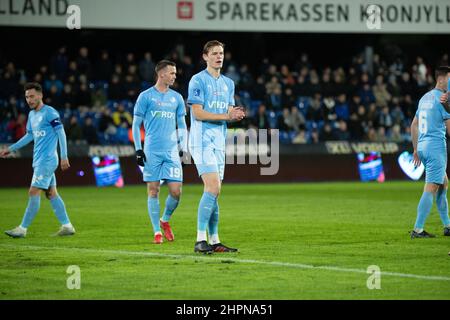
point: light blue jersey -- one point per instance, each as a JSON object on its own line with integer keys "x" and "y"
{"x": 160, "y": 112}
{"x": 43, "y": 125}
{"x": 215, "y": 95}
{"x": 432, "y": 116}
{"x": 432, "y": 147}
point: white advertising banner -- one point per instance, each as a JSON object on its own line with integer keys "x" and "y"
{"x": 358, "y": 16}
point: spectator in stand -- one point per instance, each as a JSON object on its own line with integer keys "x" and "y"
{"x": 261, "y": 120}
{"x": 68, "y": 98}
{"x": 259, "y": 91}
{"x": 396, "y": 135}
{"x": 397, "y": 114}
{"x": 286, "y": 76}
{"x": 288, "y": 99}
{"x": 83, "y": 62}
{"x": 104, "y": 67}
{"x": 106, "y": 124}
{"x": 283, "y": 120}
{"x": 132, "y": 87}
{"x": 300, "y": 138}
{"x": 73, "y": 130}
{"x": 147, "y": 68}
{"x": 372, "y": 135}
{"x": 54, "y": 98}
{"x": 382, "y": 96}
{"x": 247, "y": 81}
{"x": 329, "y": 111}
{"x": 407, "y": 87}
{"x": 273, "y": 100}
{"x": 17, "y": 127}
{"x": 366, "y": 94}
{"x": 342, "y": 133}
{"x": 341, "y": 108}
{"x": 98, "y": 98}
{"x": 121, "y": 116}
{"x": 83, "y": 97}
{"x": 314, "y": 138}
{"x": 381, "y": 135}
{"x": 296, "y": 120}
{"x": 122, "y": 134}
{"x": 385, "y": 119}
{"x": 327, "y": 133}
{"x": 358, "y": 124}
{"x": 116, "y": 90}
{"x": 90, "y": 132}
{"x": 315, "y": 111}
{"x": 59, "y": 63}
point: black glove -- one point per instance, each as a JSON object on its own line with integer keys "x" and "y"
{"x": 140, "y": 157}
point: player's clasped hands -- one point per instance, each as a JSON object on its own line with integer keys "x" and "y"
{"x": 444, "y": 98}
{"x": 4, "y": 153}
{"x": 236, "y": 114}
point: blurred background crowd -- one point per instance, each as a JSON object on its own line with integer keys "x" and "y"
{"x": 362, "y": 99}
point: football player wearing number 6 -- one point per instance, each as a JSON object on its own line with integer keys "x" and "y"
{"x": 162, "y": 110}
{"x": 428, "y": 137}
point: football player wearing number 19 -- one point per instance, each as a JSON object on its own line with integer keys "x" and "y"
{"x": 162, "y": 110}
{"x": 428, "y": 137}
{"x": 45, "y": 129}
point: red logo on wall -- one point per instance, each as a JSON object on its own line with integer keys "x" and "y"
{"x": 185, "y": 10}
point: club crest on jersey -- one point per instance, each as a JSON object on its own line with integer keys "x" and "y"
{"x": 35, "y": 122}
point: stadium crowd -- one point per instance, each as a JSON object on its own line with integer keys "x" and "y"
{"x": 360, "y": 100}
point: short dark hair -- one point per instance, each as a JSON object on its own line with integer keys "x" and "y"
{"x": 212, "y": 43}
{"x": 164, "y": 63}
{"x": 441, "y": 71}
{"x": 33, "y": 85}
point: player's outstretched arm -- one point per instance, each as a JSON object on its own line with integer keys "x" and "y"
{"x": 26, "y": 139}
{"x": 136, "y": 129}
{"x": 414, "y": 138}
{"x": 182, "y": 133}
{"x": 63, "y": 148}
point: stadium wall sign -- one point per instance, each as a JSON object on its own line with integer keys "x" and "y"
{"x": 345, "y": 147}
{"x": 356, "y": 16}
{"x": 330, "y": 148}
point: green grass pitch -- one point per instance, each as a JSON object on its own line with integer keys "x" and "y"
{"x": 296, "y": 241}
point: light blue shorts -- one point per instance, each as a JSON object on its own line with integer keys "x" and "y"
{"x": 163, "y": 166}
{"x": 435, "y": 162}
{"x": 208, "y": 160}
{"x": 44, "y": 177}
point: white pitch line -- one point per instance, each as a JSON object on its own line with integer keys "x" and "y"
{"x": 231, "y": 259}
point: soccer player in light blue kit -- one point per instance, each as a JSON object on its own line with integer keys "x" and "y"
{"x": 44, "y": 127}
{"x": 161, "y": 109}
{"x": 211, "y": 97}
{"x": 428, "y": 136}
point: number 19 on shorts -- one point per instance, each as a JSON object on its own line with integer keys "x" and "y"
{"x": 423, "y": 126}
{"x": 175, "y": 172}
